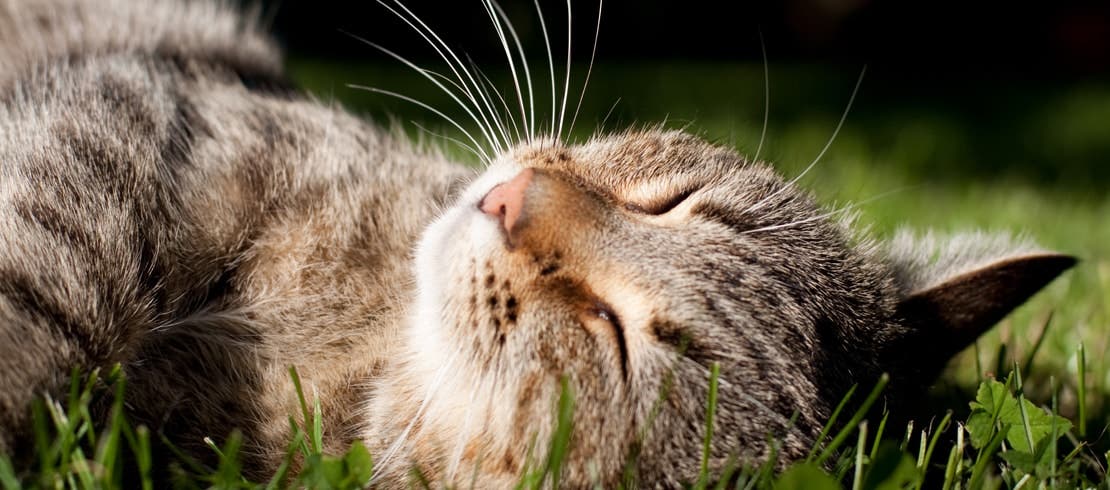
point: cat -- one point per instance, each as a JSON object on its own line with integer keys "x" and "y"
{"x": 171, "y": 203}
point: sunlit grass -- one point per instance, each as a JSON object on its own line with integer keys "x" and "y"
{"x": 1004, "y": 440}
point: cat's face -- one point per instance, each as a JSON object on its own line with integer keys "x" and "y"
{"x": 629, "y": 265}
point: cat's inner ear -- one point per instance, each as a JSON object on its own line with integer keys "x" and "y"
{"x": 951, "y": 314}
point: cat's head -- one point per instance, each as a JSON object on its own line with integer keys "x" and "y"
{"x": 629, "y": 266}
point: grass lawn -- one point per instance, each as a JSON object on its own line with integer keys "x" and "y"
{"x": 948, "y": 154}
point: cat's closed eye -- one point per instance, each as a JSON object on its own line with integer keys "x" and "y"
{"x": 664, "y": 205}
{"x": 599, "y": 315}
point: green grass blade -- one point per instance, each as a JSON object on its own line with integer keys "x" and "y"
{"x": 1021, "y": 410}
{"x": 878, "y": 435}
{"x": 857, "y": 479}
{"x": 949, "y": 470}
{"x": 560, "y": 440}
{"x": 906, "y": 438}
{"x": 107, "y": 452}
{"x": 300, "y": 398}
{"x": 979, "y": 471}
{"x": 279, "y": 479}
{"x": 212, "y": 445}
{"x": 1055, "y": 436}
{"x": 8, "y": 479}
{"x": 80, "y": 467}
{"x": 921, "y": 441}
{"x": 143, "y": 457}
{"x": 766, "y": 471}
{"x": 860, "y": 413}
{"x": 317, "y": 423}
{"x": 831, "y": 422}
{"x": 1081, "y": 389}
{"x": 923, "y": 466}
{"x": 960, "y": 431}
{"x": 228, "y": 472}
{"x": 710, "y": 416}
{"x": 730, "y": 469}
{"x": 1000, "y": 361}
{"x": 1027, "y": 367}
{"x": 299, "y": 437}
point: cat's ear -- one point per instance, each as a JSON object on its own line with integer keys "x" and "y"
{"x": 954, "y": 289}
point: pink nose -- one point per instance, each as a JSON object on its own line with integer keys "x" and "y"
{"x": 506, "y": 200}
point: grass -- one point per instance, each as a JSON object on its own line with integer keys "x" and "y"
{"x": 1006, "y": 440}
{"x": 1027, "y": 407}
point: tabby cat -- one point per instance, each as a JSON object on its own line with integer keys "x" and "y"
{"x": 168, "y": 202}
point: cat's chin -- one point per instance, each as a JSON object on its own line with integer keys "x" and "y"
{"x": 428, "y": 378}
{"x": 445, "y": 256}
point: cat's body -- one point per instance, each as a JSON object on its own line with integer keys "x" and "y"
{"x": 159, "y": 213}
{"x": 167, "y": 203}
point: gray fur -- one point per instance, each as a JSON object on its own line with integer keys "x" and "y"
{"x": 168, "y": 203}
{"x": 921, "y": 261}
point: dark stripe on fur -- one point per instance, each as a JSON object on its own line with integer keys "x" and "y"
{"x": 24, "y": 294}
{"x": 112, "y": 171}
{"x": 128, "y": 105}
{"x": 186, "y": 126}
{"x": 684, "y": 344}
{"x": 56, "y": 223}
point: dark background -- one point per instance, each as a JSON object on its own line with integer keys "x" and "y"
{"x": 984, "y": 90}
{"x": 1037, "y": 39}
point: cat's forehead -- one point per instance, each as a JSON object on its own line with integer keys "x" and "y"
{"x": 639, "y": 157}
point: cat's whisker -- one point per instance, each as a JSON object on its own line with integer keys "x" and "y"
{"x": 497, "y": 115}
{"x": 501, "y": 22}
{"x": 433, "y": 387}
{"x": 486, "y": 87}
{"x": 498, "y": 29}
{"x": 527, "y": 72}
{"x": 828, "y": 144}
{"x": 460, "y": 441}
{"x": 448, "y": 138}
{"x": 605, "y": 119}
{"x": 830, "y": 214}
{"x": 589, "y": 68}
{"x": 485, "y": 156}
{"x": 792, "y": 224}
{"x": 550, "y": 60}
{"x": 486, "y": 129}
{"x": 447, "y": 55}
{"x": 566, "y": 86}
{"x": 433, "y": 40}
{"x": 766, "y": 96}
